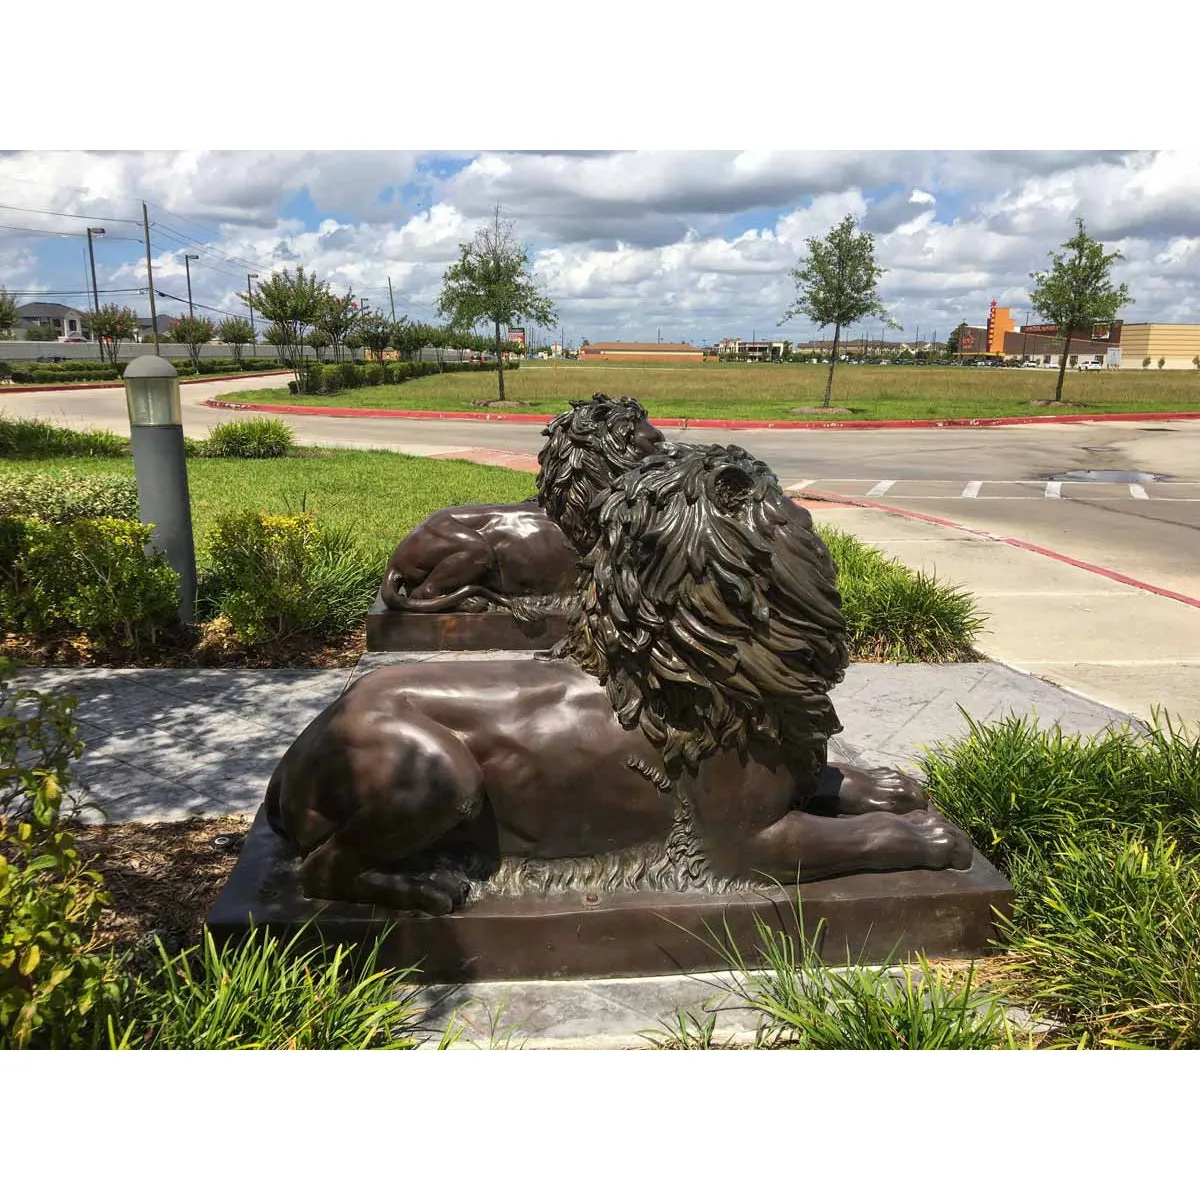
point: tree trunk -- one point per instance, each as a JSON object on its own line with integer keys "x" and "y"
{"x": 499, "y": 362}
{"x": 837, "y": 333}
{"x": 1062, "y": 367}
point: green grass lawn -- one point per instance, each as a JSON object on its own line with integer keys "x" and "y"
{"x": 377, "y": 494}
{"x": 765, "y": 391}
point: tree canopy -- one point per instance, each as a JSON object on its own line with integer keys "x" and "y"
{"x": 492, "y": 282}
{"x": 1078, "y": 289}
{"x": 835, "y": 284}
{"x": 111, "y": 324}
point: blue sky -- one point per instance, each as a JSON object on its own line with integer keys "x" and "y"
{"x": 697, "y": 243}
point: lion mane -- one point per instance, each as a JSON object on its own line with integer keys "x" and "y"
{"x": 710, "y": 611}
{"x": 589, "y": 446}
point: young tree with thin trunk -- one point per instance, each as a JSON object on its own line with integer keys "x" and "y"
{"x": 111, "y": 324}
{"x": 376, "y": 332}
{"x": 1078, "y": 290}
{"x": 492, "y": 282}
{"x": 237, "y": 333}
{"x": 339, "y": 318}
{"x": 193, "y": 332}
{"x": 293, "y": 304}
{"x": 835, "y": 285}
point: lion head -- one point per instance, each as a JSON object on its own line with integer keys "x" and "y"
{"x": 587, "y": 449}
{"x": 710, "y": 611}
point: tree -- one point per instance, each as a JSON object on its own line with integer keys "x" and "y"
{"x": 376, "y": 332}
{"x": 193, "y": 332}
{"x": 952, "y": 342}
{"x": 1196, "y": 362}
{"x": 236, "y": 333}
{"x": 1146, "y": 363}
{"x": 292, "y": 304}
{"x": 8, "y": 314}
{"x": 317, "y": 341}
{"x": 1077, "y": 291}
{"x": 835, "y": 285}
{"x": 1162, "y": 362}
{"x": 112, "y": 324}
{"x": 492, "y": 282}
{"x": 337, "y": 321}
{"x": 407, "y": 337}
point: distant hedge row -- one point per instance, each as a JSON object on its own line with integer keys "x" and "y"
{"x": 93, "y": 372}
{"x": 327, "y": 378}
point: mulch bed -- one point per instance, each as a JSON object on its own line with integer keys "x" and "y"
{"x": 211, "y": 645}
{"x": 163, "y": 877}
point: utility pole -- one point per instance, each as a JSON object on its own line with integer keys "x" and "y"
{"x": 150, "y": 275}
{"x": 187, "y": 258}
{"x": 392, "y": 299}
{"x": 250, "y": 305}
{"x": 95, "y": 291}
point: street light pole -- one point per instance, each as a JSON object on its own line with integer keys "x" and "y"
{"x": 95, "y": 291}
{"x": 187, "y": 258}
{"x": 250, "y": 304}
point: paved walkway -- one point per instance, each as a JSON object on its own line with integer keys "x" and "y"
{"x": 162, "y": 745}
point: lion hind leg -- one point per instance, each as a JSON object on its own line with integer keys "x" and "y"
{"x": 847, "y": 791}
{"x": 412, "y": 785}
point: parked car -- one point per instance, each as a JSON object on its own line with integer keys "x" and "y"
{"x": 50, "y": 358}
{"x": 1034, "y": 365}
{"x": 1091, "y": 366}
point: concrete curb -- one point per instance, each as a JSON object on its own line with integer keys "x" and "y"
{"x": 1018, "y": 543}
{"x": 116, "y": 383}
{"x": 306, "y": 410}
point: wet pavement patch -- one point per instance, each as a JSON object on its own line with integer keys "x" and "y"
{"x": 1105, "y": 477}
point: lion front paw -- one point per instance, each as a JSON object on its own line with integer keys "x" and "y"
{"x": 943, "y": 845}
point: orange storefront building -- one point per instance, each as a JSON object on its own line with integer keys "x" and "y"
{"x": 642, "y": 352}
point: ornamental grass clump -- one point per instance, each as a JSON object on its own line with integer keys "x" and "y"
{"x": 256, "y": 438}
{"x": 1100, "y": 836}
{"x": 898, "y": 615}
{"x": 27, "y": 437}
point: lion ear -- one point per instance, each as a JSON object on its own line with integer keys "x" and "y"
{"x": 730, "y": 488}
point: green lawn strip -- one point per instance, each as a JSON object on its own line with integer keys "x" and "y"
{"x": 771, "y": 392}
{"x": 378, "y": 495}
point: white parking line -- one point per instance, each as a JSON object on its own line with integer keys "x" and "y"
{"x": 972, "y": 489}
{"x": 1138, "y": 492}
{"x": 882, "y": 487}
{"x": 1053, "y": 491}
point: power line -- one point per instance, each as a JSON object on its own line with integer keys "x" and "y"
{"x": 196, "y": 304}
{"x": 58, "y": 233}
{"x": 213, "y": 235}
{"x": 77, "y": 292}
{"x": 48, "y": 212}
{"x": 193, "y": 243}
{"x": 209, "y": 265}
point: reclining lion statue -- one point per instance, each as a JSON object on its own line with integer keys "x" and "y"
{"x": 680, "y": 743}
{"x": 464, "y": 558}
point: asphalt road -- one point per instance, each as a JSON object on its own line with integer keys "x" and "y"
{"x": 992, "y": 478}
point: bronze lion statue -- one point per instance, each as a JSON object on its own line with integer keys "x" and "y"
{"x": 679, "y": 744}
{"x": 514, "y": 555}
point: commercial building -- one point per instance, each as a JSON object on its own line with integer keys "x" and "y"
{"x": 1177, "y": 345}
{"x": 752, "y": 351}
{"x": 641, "y": 352}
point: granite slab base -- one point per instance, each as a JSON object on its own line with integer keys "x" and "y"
{"x": 867, "y": 918}
{"x": 388, "y": 629}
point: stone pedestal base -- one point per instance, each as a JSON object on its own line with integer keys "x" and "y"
{"x": 391, "y": 630}
{"x": 869, "y": 918}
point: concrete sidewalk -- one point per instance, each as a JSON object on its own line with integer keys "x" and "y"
{"x": 1116, "y": 644}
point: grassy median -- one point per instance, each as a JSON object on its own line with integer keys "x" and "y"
{"x": 773, "y": 391}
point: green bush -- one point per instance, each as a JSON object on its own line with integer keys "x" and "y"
{"x": 55, "y": 989}
{"x": 349, "y": 374}
{"x": 67, "y": 496}
{"x": 262, "y": 437}
{"x": 277, "y": 575}
{"x": 86, "y": 576}
{"x": 896, "y": 614}
{"x": 29, "y": 437}
{"x": 266, "y": 994}
{"x": 372, "y": 374}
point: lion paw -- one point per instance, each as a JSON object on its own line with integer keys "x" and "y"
{"x": 944, "y": 845}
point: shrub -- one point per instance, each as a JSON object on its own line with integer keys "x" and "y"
{"x": 896, "y": 614}
{"x": 67, "y": 496}
{"x": 256, "y": 438}
{"x": 87, "y": 576}
{"x": 54, "y": 987}
{"x": 276, "y": 575}
{"x": 28, "y": 437}
{"x": 372, "y": 374}
{"x": 349, "y": 374}
{"x": 314, "y": 374}
{"x": 266, "y": 994}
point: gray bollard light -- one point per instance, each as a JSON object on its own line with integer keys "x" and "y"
{"x": 156, "y": 436}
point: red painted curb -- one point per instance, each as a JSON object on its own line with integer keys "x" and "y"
{"x": 300, "y": 410}
{"x": 116, "y": 383}
{"x": 1018, "y": 543}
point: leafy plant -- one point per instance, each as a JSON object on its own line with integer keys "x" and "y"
{"x": 291, "y": 303}
{"x": 112, "y": 324}
{"x": 276, "y": 575}
{"x": 8, "y": 314}
{"x": 85, "y": 576}
{"x": 1162, "y": 362}
{"x": 67, "y": 496}
{"x": 255, "y": 438}
{"x": 29, "y": 437}
{"x": 265, "y": 993}
{"x": 55, "y": 987}
{"x": 193, "y": 332}
{"x": 237, "y": 333}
